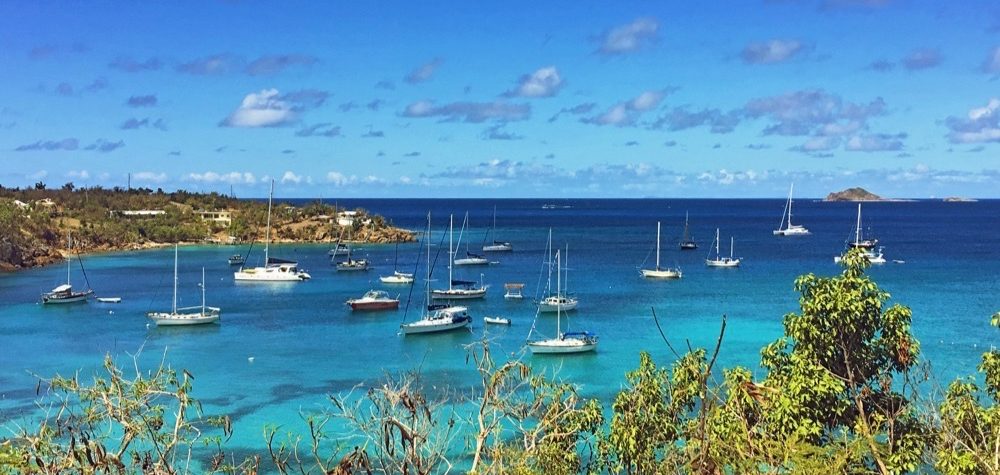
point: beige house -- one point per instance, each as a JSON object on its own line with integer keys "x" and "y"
{"x": 223, "y": 217}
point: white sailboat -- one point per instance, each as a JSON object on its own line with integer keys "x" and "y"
{"x": 64, "y": 293}
{"x": 563, "y": 343}
{"x": 352, "y": 264}
{"x": 722, "y": 261}
{"x": 187, "y": 315}
{"x": 785, "y": 227}
{"x": 867, "y": 245}
{"x": 457, "y": 289}
{"x": 397, "y": 277}
{"x": 496, "y": 246}
{"x": 438, "y": 318}
{"x": 274, "y": 270}
{"x": 470, "y": 258}
{"x": 658, "y": 272}
{"x": 559, "y": 301}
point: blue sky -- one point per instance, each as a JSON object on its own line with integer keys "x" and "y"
{"x": 504, "y": 99}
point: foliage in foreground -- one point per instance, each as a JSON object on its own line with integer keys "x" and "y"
{"x": 837, "y": 396}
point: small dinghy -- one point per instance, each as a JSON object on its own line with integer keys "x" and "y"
{"x": 109, "y": 299}
{"x": 497, "y": 320}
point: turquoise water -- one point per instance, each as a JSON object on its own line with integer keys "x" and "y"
{"x": 305, "y": 342}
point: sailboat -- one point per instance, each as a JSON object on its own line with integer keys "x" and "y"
{"x": 578, "y": 342}
{"x": 658, "y": 272}
{"x": 457, "y": 289}
{"x": 397, "y": 277}
{"x": 438, "y": 318}
{"x": 352, "y": 264}
{"x": 868, "y": 245}
{"x": 785, "y": 227}
{"x": 559, "y": 301}
{"x": 187, "y": 315}
{"x": 687, "y": 242}
{"x": 274, "y": 270}
{"x": 64, "y": 293}
{"x": 470, "y": 259}
{"x": 497, "y": 246}
{"x": 722, "y": 261}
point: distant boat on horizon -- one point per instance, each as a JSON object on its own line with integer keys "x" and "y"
{"x": 497, "y": 246}
{"x": 687, "y": 242}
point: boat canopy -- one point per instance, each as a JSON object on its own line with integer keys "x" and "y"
{"x": 580, "y": 334}
{"x": 513, "y": 285}
{"x": 437, "y": 306}
{"x": 275, "y": 260}
{"x": 62, "y": 288}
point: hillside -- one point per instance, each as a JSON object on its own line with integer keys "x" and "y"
{"x": 34, "y": 222}
{"x": 853, "y": 194}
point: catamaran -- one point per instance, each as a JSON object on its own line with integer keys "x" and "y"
{"x": 660, "y": 272}
{"x": 559, "y": 301}
{"x": 578, "y": 342}
{"x": 722, "y": 261}
{"x": 187, "y": 315}
{"x": 457, "y": 289}
{"x": 785, "y": 227}
{"x": 687, "y": 242}
{"x": 65, "y": 293}
{"x": 274, "y": 270}
{"x": 497, "y": 246}
{"x": 867, "y": 245}
{"x": 439, "y": 318}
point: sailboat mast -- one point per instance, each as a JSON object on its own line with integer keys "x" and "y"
{"x": 427, "y": 281}
{"x": 69, "y": 256}
{"x": 657, "y": 245}
{"x": 202, "y": 290}
{"x": 790, "y": 188}
{"x": 857, "y": 229}
{"x": 267, "y": 232}
{"x": 175, "y": 279}
{"x": 558, "y": 292}
{"x": 716, "y": 243}
{"x": 451, "y": 253}
{"x": 567, "y": 266}
{"x": 732, "y": 241}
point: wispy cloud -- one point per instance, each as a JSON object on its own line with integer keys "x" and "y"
{"x": 875, "y": 143}
{"x": 148, "y": 100}
{"x": 544, "y": 82}
{"x": 324, "y": 129}
{"x": 274, "y": 64}
{"x": 922, "y": 59}
{"x": 771, "y": 51}
{"x": 497, "y": 132}
{"x": 627, "y": 113}
{"x": 578, "y": 109}
{"x": 628, "y": 38}
{"x": 105, "y": 146}
{"x": 992, "y": 63}
{"x": 680, "y": 118}
{"x": 130, "y": 65}
{"x": 232, "y": 178}
{"x": 423, "y": 72}
{"x": 214, "y": 65}
{"x": 135, "y": 123}
{"x": 64, "y": 144}
{"x": 474, "y": 112}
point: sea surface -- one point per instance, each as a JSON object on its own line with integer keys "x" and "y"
{"x": 282, "y": 348}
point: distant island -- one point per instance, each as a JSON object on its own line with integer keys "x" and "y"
{"x": 853, "y": 194}
{"x": 34, "y": 222}
{"x": 959, "y": 199}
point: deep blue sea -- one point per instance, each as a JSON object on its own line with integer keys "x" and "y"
{"x": 305, "y": 343}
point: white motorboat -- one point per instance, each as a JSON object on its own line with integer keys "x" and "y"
{"x": 722, "y": 261}
{"x": 274, "y": 270}
{"x": 457, "y": 289}
{"x": 496, "y": 246}
{"x": 188, "y": 315}
{"x": 109, "y": 299}
{"x": 497, "y": 320}
{"x": 785, "y": 227}
{"x": 563, "y": 343}
{"x": 660, "y": 272}
{"x": 438, "y": 318}
{"x": 64, "y": 293}
{"x": 339, "y": 250}
{"x": 397, "y": 277}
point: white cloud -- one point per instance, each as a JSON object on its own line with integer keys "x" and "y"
{"x": 981, "y": 125}
{"x": 628, "y": 112}
{"x": 771, "y": 51}
{"x": 150, "y": 177}
{"x": 339, "y": 179}
{"x": 78, "y": 175}
{"x": 544, "y": 82}
{"x": 629, "y": 37}
{"x": 290, "y": 177}
{"x": 231, "y": 177}
{"x": 261, "y": 109}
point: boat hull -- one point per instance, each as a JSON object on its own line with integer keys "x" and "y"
{"x": 558, "y": 346}
{"x": 381, "y": 305}
{"x": 472, "y": 262}
{"x": 496, "y": 320}
{"x": 74, "y": 298}
{"x": 458, "y": 294}
{"x": 412, "y": 329}
{"x": 395, "y": 279}
{"x": 791, "y": 232}
{"x": 170, "y": 320}
{"x": 688, "y": 246}
{"x": 498, "y": 248}
{"x": 260, "y": 275}
{"x": 661, "y": 274}
{"x": 548, "y": 307}
{"x": 722, "y": 263}
{"x": 349, "y": 268}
